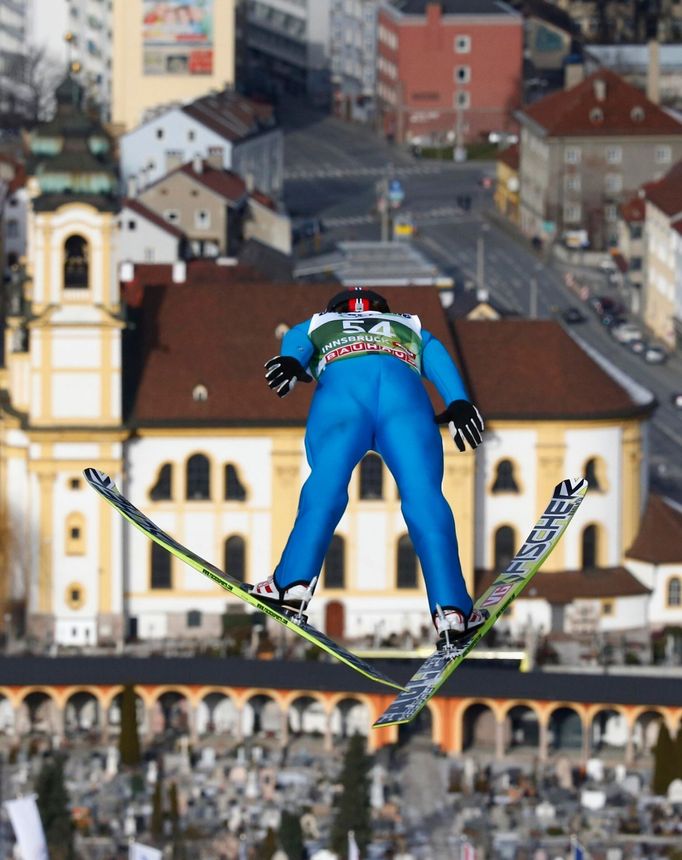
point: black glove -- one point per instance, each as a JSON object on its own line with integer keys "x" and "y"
{"x": 464, "y": 421}
{"x": 282, "y": 372}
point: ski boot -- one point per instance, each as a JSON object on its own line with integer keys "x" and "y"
{"x": 295, "y": 598}
{"x": 452, "y": 625}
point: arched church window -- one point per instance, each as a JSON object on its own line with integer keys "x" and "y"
{"x": 505, "y": 482}
{"x": 76, "y": 263}
{"x": 504, "y": 547}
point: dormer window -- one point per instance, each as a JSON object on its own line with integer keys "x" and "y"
{"x": 596, "y": 115}
{"x": 76, "y": 263}
{"x": 637, "y": 114}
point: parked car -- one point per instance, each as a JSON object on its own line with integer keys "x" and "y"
{"x": 676, "y": 399}
{"x": 573, "y": 315}
{"x": 655, "y": 355}
{"x": 606, "y": 305}
{"x": 626, "y": 332}
{"x": 612, "y": 320}
{"x": 638, "y": 346}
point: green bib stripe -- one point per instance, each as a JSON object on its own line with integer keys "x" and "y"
{"x": 337, "y": 337}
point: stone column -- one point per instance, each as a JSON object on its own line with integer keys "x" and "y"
{"x": 499, "y": 738}
{"x": 543, "y": 750}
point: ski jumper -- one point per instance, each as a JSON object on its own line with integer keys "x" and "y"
{"x": 370, "y": 396}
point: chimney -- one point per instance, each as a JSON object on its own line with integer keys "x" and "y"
{"x": 653, "y": 73}
{"x": 574, "y": 74}
{"x": 433, "y": 14}
{"x": 249, "y": 181}
{"x": 599, "y": 85}
{"x": 198, "y": 164}
{"x": 179, "y": 272}
{"x": 131, "y": 186}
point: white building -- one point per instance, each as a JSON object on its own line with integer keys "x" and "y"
{"x": 663, "y": 283}
{"x": 14, "y": 97}
{"x": 146, "y": 237}
{"x": 353, "y": 49}
{"x": 226, "y": 129}
{"x": 90, "y": 23}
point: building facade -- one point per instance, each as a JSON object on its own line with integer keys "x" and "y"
{"x": 90, "y": 30}
{"x": 168, "y": 55}
{"x": 286, "y": 47}
{"x": 352, "y": 50}
{"x": 224, "y": 128}
{"x": 453, "y": 97}
{"x": 663, "y": 283}
{"x": 586, "y": 150}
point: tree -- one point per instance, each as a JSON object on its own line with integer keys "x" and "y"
{"x": 353, "y": 809}
{"x": 53, "y": 805}
{"x": 35, "y": 76}
{"x": 129, "y": 739}
{"x": 291, "y": 835}
{"x": 664, "y": 760}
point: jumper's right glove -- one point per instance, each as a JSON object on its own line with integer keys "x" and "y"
{"x": 464, "y": 421}
{"x": 282, "y": 373}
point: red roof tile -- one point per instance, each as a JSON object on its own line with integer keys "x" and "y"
{"x": 152, "y": 217}
{"x": 223, "y": 182}
{"x": 633, "y": 209}
{"x": 573, "y": 113}
{"x": 218, "y": 330}
{"x": 666, "y": 194}
{"x": 519, "y": 368}
{"x": 568, "y": 585}
{"x": 659, "y": 540}
{"x": 230, "y": 114}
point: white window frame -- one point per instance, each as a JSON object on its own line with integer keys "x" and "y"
{"x": 572, "y": 155}
{"x": 663, "y": 154}
{"x": 202, "y": 219}
{"x": 572, "y": 182}
{"x": 572, "y": 213}
{"x": 462, "y": 74}
{"x": 611, "y": 212}
{"x": 613, "y": 154}
{"x": 462, "y": 44}
{"x": 613, "y": 183}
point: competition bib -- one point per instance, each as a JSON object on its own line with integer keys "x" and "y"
{"x": 342, "y": 336}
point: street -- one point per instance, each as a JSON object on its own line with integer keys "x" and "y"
{"x": 332, "y": 169}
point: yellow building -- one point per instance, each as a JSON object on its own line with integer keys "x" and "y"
{"x": 507, "y": 183}
{"x": 168, "y": 52}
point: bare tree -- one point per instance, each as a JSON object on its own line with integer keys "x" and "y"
{"x": 28, "y": 84}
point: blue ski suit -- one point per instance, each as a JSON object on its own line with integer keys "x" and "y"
{"x": 370, "y": 396}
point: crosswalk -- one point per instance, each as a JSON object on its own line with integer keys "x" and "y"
{"x": 302, "y": 173}
{"x": 418, "y": 217}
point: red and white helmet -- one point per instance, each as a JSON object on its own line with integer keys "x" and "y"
{"x": 357, "y": 300}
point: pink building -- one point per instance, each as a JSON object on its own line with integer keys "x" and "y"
{"x": 448, "y": 70}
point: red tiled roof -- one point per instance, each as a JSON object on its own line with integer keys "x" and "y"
{"x": 152, "y": 217}
{"x": 568, "y": 585}
{"x": 633, "y": 209}
{"x": 666, "y": 194}
{"x": 659, "y": 540}
{"x": 223, "y": 182}
{"x": 218, "y": 330}
{"x": 520, "y": 368}
{"x": 572, "y": 113}
{"x": 510, "y": 156}
{"x": 229, "y": 114}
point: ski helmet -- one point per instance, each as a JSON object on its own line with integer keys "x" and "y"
{"x": 357, "y": 299}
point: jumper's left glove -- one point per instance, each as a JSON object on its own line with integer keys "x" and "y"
{"x": 465, "y": 423}
{"x": 282, "y": 373}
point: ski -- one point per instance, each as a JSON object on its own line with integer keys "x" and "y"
{"x": 437, "y": 668}
{"x": 106, "y": 488}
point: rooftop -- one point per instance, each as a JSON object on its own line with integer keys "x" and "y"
{"x": 216, "y": 327}
{"x": 374, "y": 264}
{"x": 231, "y": 115}
{"x": 602, "y": 105}
{"x": 571, "y": 384}
{"x": 561, "y": 587}
{"x": 666, "y": 194}
{"x": 454, "y": 7}
{"x": 659, "y": 540}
